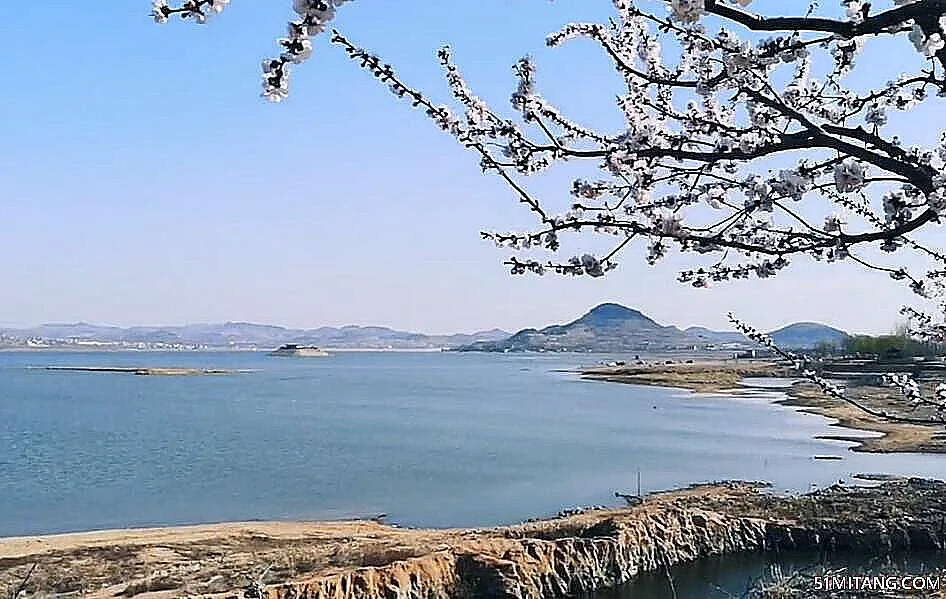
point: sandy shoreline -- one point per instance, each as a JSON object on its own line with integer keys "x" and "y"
{"x": 726, "y": 376}
{"x": 18, "y": 547}
{"x": 703, "y": 377}
{"x": 201, "y": 559}
{"x": 897, "y": 437}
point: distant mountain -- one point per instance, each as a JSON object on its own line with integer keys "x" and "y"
{"x": 615, "y": 328}
{"x": 605, "y": 328}
{"x": 237, "y": 335}
{"x": 807, "y": 335}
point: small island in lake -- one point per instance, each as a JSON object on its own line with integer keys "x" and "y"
{"x": 294, "y": 350}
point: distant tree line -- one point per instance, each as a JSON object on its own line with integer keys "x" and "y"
{"x": 899, "y": 344}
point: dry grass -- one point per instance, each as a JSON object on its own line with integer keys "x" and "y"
{"x": 202, "y": 560}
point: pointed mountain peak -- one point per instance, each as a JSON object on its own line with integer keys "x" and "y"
{"x": 610, "y": 312}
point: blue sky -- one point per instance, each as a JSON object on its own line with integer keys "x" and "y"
{"x": 145, "y": 181}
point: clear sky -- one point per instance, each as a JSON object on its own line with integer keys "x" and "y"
{"x": 145, "y": 181}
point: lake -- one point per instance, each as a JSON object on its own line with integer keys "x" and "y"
{"x": 431, "y": 439}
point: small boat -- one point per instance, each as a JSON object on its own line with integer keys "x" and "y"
{"x": 298, "y": 351}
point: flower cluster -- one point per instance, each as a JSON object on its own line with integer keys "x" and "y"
{"x": 928, "y": 44}
{"x": 687, "y": 11}
{"x": 827, "y": 387}
{"x": 753, "y": 334}
{"x": 906, "y": 384}
{"x": 849, "y": 176}
{"x": 314, "y": 16}
{"x": 197, "y": 10}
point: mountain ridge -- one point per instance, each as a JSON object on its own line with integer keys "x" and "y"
{"x": 234, "y": 335}
{"x": 607, "y": 327}
{"x": 611, "y": 327}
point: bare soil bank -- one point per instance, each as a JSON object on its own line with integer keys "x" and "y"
{"x": 704, "y": 377}
{"x": 549, "y": 559}
{"x": 897, "y": 437}
{"x": 724, "y": 376}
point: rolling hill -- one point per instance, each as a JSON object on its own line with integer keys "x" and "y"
{"x": 807, "y": 334}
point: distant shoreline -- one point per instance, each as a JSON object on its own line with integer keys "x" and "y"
{"x": 128, "y": 350}
{"x": 209, "y": 350}
{"x": 724, "y": 377}
{"x": 410, "y": 350}
{"x": 679, "y": 354}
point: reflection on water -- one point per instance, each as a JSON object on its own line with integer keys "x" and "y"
{"x": 731, "y": 576}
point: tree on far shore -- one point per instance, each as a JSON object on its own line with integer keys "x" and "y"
{"x": 750, "y": 142}
{"x": 897, "y": 346}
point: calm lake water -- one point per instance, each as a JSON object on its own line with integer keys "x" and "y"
{"x": 430, "y": 439}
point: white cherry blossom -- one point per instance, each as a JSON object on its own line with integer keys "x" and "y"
{"x": 849, "y": 176}
{"x": 687, "y": 11}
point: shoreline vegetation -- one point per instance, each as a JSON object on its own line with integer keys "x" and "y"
{"x": 727, "y": 376}
{"x": 560, "y": 557}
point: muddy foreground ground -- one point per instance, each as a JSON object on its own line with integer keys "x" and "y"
{"x": 554, "y": 558}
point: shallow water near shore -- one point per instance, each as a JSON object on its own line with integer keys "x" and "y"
{"x": 730, "y": 577}
{"x": 431, "y": 439}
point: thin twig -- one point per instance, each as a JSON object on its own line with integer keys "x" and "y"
{"x": 22, "y": 586}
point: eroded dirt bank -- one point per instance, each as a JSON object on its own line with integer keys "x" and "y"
{"x": 553, "y": 558}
